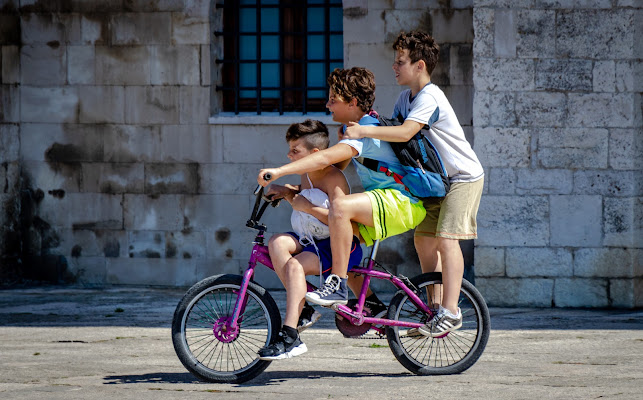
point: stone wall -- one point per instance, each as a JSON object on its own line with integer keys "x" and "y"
{"x": 557, "y": 121}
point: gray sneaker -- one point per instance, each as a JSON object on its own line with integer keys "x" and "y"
{"x": 441, "y": 324}
{"x": 333, "y": 292}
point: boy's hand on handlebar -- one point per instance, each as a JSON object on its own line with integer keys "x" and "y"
{"x": 266, "y": 176}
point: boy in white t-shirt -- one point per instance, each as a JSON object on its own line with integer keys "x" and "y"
{"x": 452, "y": 218}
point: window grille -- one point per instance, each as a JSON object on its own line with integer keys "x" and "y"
{"x": 278, "y": 54}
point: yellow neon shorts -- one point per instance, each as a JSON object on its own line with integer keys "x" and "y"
{"x": 393, "y": 213}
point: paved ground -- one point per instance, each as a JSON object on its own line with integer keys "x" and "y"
{"x": 70, "y": 343}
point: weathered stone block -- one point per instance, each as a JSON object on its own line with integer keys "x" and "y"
{"x": 205, "y": 66}
{"x": 237, "y": 140}
{"x": 207, "y": 212}
{"x": 400, "y": 20}
{"x": 604, "y": 262}
{"x": 187, "y": 246}
{"x": 9, "y": 103}
{"x": 122, "y": 65}
{"x": 9, "y": 29}
{"x": 60, "y": 143}
{"x": 101, "y": 104}
{"x": 385, "y": 98}
{"x": 541, "y": 109}
{"x": 505, "y": 34}
{"x": 80, "y": 65}
{"x": 92, "y": 243}
{"x": 551, "y": 181}
{"x": 573, "y": 4}
{"x": 572, "y": 148}
{"x": 146, "y": 6}
{"x": 230, "y": 243}
{"x": 146, "y": 244}
{"x": 536, "y": 31}
{"x": 504, "y": 75}
{"x": 53, "y": 28}
{"x": 502, "y": 181}
{"x": 191, "y": 143}
{"x": 489, "y": 261}
{"x": 82, "y": 211}
{"x": 51, "y": 105}
{"x": 152, "y": 105}
{"x": 513, "y": 221}
{"x": 87, "y": 271}
{"x": 194, "y": 105}
{"x": 502, "y": 147}
{"x": 171, "y": 178}
{"x": 601, "y": 110}
{"x": 9, "y": 143}
{"x": 580, "y": 293}
{"x": 215, "y": 178}
{"x": 483, "y": 26}
{"x": 461, "y": 65}
{"x": 574, "y": 40}
{"x": 188, "y": 29}
{"x": 610, "y": 183}
{"x": 564, "y": 75}
{"x": 502, "y": 109}
{"x": 461, "y": 99}
{"x": 622, "y": 293}
{"x": 368, "y": 28}
{"x": 604, "y": 76}
{"x": 504, "y": 292}
{"x": 141, "y": 212}
{"x": 175, "y": 65}
{"x": 94, "y": 28}
{"x": 150, "y": 271}
{"x": 132, "y": 143}
{"x": 113, "y": 178}
{"x": 623, "y": 221}
{"x": 456, "y": 27}
{"x": 625, "y": 76}
{"x": 55, "y": 179}
{"x": 576, "y": 220}
{"x": 380, "y": 56}
{"x": 10, "y": 64}
{"x": 141, "y": 28}
{"x": 625, "y": 149}
{"x": 43, "y": 65}
{"x": 206, "y": 268}
{"x": 543, "y": 261}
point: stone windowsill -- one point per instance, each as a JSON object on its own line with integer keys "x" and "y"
{"x": 268, "y": 118}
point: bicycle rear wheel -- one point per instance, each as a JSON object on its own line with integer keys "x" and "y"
{"x": 451, "y": 354}
{"x": 201, "y": 332}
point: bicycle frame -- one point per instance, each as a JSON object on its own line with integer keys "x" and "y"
{"x": 260, "y": 254}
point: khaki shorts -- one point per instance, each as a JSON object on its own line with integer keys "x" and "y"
{"x": 453, "y": 217}
{"x": 393, "y": 213}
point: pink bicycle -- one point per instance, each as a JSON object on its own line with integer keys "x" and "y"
{"x": 222, "y": 321}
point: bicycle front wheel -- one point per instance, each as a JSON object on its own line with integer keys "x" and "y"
{"x": 202, "y": 334}
{"x": 451, "y": 354}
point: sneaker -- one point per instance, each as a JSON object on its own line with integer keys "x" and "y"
{"x": 284, "y": 347}
{"x": 378, "y": 309}
{"x": 333, "y": 292}
{"x": 307, "y": 318}
{"x": 443, "y": 323}
{"x": 414, "y": 333}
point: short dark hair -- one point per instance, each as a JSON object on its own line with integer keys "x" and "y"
{"x": 314, "y": 132}
{"x": 355, "y": 83}
{"x": 421, "y": 46}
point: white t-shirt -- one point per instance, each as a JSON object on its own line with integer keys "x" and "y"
{"x": 431, "y": 107}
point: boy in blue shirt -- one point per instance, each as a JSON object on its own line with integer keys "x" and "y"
{"x": 450, "y": 219}
{"x": 385, "y": 209}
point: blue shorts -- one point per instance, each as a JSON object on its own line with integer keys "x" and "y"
{"x": 325, "y": 254}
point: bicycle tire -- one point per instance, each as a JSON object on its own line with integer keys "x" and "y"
{"x": 452, "y": 354}
{"x": 212, "y": 358}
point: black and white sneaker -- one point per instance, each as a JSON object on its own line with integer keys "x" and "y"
{"x": 333, "y": 292}
{"x": 307, "y": 318}
{"x": 443, "y": 323}
{"x": 284, "y": 347}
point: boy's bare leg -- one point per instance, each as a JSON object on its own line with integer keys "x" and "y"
{"x": 427, "y": 251}
{"x": 281, "y": 247}
{"x": 452, "y": 272}
{"x": 296, "y": 269}
{"x": 355, "y": 207}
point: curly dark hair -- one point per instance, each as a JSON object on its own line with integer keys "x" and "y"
{"x": 421, "y": 46}
{"x": 355, "y": 83}
{"x": 314, "y": 132}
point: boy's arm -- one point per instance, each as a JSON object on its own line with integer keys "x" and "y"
{"x": 313, "y": 162}
{"x": 334, "y": 185}
{"x": 399, "y": 133}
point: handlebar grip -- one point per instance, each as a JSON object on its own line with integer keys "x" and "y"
{"x": 267, "y": 176}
